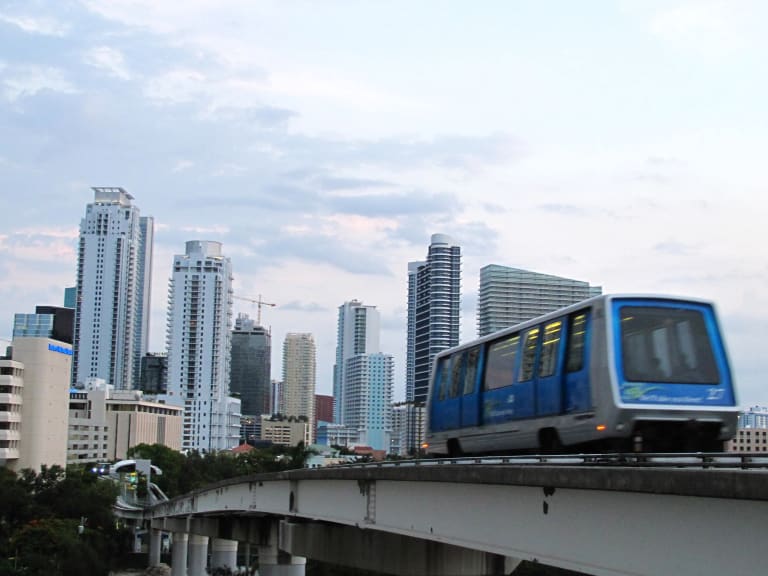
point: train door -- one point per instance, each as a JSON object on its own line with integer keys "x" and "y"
{"x": 440, "y": 387}
{"x": 499, "y": 401}
{"x": 549, "y": 389}
{"x": 578, "y": 394}
{"x": 470, "y": 398}
{"x": 452, "y": 402}
{"x": 524, "y": 389}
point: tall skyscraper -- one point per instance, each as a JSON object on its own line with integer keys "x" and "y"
{"x": 198, "y": 346}
{"x": 434, "y": 312}
{"x": 357, "y": 333}
{"x": 251, "y": 365}
{"x": 299, "y": 373}
{"x": 113, "y": 285}
{"x": 509, "y": 296}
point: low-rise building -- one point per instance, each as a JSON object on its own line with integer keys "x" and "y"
{"x": 11, "y": 390}
{"x": 749, "y": 440}
{"x": 34, "y": 383}
{"x": 285, "y": 431}
{"x": 104, "y": 423}
{"x": 330, "y": 434}
{"x": 752, "y": 431}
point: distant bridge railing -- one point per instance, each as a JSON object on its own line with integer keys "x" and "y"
{"x": 700, "y": 460}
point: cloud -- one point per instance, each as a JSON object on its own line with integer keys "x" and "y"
{"x": 658, "y": 170}
{"x": 53, "y": 246}
{"x": 177, "y": 86}
{"x": 707, "y": 26}
{"x": 447, "y": 152}
{"x": 321, "y": 248}
{"x": 110, "y": 60}
{"x": 26, "y": 81}
{"x": 218, "y": 230}
{"x": 396, "y": 204}
{"x": 564, "y": 209}
{"x": 342, "y": 183}
{"x": 672, "y": 247}
{"x": 182, "y": 165}
{"x": 296, "y": 305}
{"x": 44, "y": 26}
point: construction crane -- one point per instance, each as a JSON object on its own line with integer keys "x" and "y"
{"x": 259, "y": 302}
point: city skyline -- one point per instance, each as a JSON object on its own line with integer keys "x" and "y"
{"x": 618, "y": 144}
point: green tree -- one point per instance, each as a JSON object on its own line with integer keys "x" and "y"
{"x": 41, "y": 515}
{"x": 54, "y": 546}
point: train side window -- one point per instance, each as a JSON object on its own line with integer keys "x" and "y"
{"x": 457, "y": 362}
{"x": 527, "y": 367}
{"x": 470, "y": 372}
{"x": 550, "y": 346}
{"x": 442, "y": 377}
{"x": 500, "y": 365}
{"x": 576, "y": 339}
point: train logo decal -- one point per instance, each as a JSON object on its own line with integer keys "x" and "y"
{"x": 637, "y": 391}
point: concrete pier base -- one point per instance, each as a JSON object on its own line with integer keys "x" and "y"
{"x": 179, "y": 547}
{"x": 155, "y": 546}
{"x": 223, "y": 554}
{"x": 198, "y": 555}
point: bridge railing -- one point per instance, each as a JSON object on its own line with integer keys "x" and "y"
{"x": 701, "y": 460}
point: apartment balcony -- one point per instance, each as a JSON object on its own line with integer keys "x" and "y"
{"x": 13, "y": 399}
{"x": 10, "y": 416}
{"x": 9, "y": 453}
{"x": 13, "y": 435}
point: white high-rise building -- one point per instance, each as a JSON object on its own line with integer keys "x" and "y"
{"x": 363, "y": 376}
{"x": 369, "y": 380}
{"x": 113, "y": 286}
{"x": 198, "y": 346}
{"x": 357, "y": 333}
{"x": 299, "y": 373}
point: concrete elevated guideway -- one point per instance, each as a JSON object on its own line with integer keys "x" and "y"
{"x": 471, "y": 519}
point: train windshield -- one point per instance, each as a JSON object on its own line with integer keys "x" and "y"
{"x": 661, "y": 344}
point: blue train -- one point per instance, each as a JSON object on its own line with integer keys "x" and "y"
{"x": 612, "y": 373}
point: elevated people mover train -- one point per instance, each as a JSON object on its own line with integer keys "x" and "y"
{"x": 616, "y": 373}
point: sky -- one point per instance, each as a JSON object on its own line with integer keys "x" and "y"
{"x": 323, "y": 143}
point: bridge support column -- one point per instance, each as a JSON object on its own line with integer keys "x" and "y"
{"x": 389, "y": 553}
{"x": 280, "y": 564}
{"x": 179, "y": 545}
{"x": 155, "y": 545}
{"x": 247, "y": 554}
{"x": 198, "y": 555}
{"x": 223, "y": 554}
{"x": 272, "y": 560}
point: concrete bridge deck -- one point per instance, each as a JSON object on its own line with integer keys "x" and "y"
{"x": 469, "y": 519}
